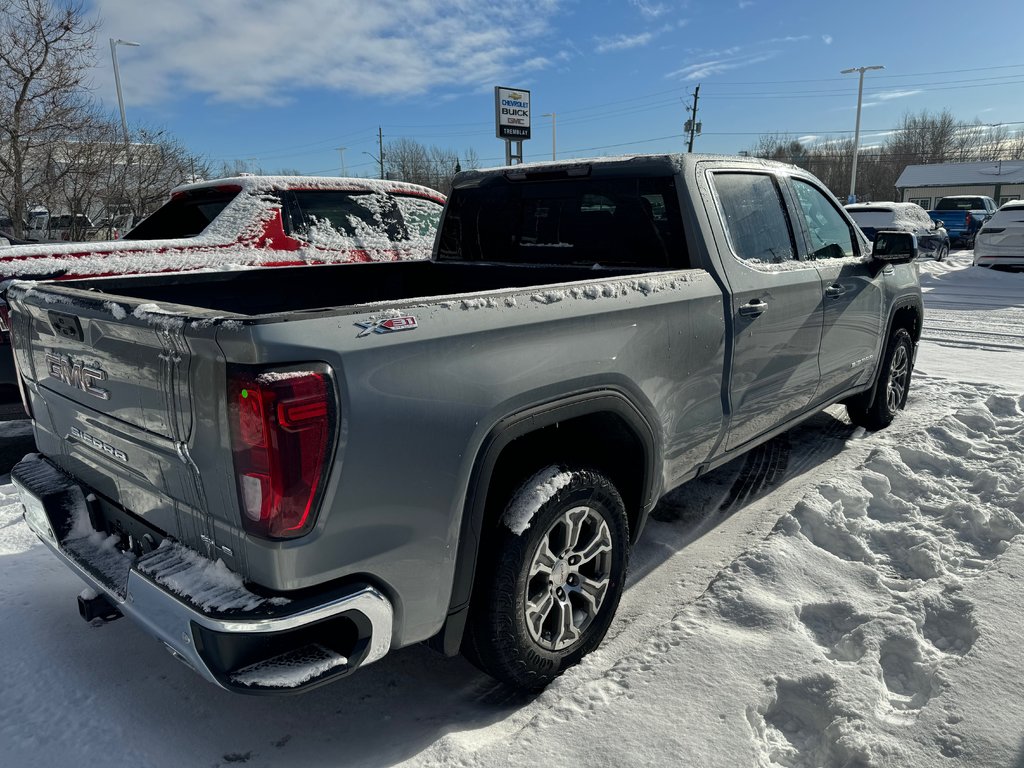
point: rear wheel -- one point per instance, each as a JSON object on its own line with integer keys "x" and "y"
{"x": 549, "y": 594}
{"x": 892, "y": 387}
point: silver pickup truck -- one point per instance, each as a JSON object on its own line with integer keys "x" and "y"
{"x": 284, "y": 474}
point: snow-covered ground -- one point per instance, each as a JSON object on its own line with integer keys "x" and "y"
{"x": 836, "y": 598}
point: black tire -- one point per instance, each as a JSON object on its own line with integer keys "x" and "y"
{"x": 942, "y": 253}
{"x": 891, "y": 388}
{"x": 499, "y": 638}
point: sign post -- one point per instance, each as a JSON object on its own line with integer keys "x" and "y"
{"x": 512, "y": 120}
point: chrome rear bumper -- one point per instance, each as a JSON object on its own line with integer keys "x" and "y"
{"x": 255, "y": 645}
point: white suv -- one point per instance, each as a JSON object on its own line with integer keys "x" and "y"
{"x": 1000, "y": 242}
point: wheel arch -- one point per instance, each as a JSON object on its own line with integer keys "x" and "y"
{"x": 906, "y": 312}
{"x": 551, "y": 433}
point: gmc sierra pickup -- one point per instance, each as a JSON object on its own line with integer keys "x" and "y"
{"x": 283, "y": 474}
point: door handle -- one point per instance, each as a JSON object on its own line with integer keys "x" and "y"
{"x": 754, "y": 308}
{"x": 835, "y": 290}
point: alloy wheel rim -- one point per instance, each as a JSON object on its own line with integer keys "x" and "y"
{"x": 897, "y": 386}
{"x": 569, "y": 577}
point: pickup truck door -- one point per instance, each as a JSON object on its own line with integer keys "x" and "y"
{"x": 776, "y": 306}
{"x": 851, "y": 286}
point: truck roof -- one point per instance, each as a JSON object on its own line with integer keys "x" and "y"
{"x": 255, "y": 183}
{"x": 657, "y": 164}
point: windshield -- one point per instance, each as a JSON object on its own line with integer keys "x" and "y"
{"x": 1012, "y": 215}
{"x": 873, "y": 218}
{"x": 960, "y": 204}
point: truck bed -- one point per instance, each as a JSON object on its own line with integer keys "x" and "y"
{"x": 309, "y": 288}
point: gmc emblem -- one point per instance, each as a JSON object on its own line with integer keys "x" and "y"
{"x": 76, "y": 375}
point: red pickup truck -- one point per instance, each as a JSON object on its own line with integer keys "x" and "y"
{"x": 248, "y": 221}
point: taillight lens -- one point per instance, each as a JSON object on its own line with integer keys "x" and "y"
{"x": 968, "y": 219}
{"x": 282, "y": 432}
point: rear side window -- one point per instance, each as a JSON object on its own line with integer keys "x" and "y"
{"x": 421, "y": 216}
{"x": 365, "y": 216}
{"x": 185, "y": 215}
{"x": 563, "y": 221}
{"x": 754, "y": 217}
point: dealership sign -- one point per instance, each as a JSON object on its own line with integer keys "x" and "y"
{"x": 512, "y": 113}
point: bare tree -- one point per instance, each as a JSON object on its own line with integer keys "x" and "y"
{"x": 80, "y": 173}
{"x": 45, "y": 56}
{"x": 406, "y": 159}
{"x": 156, "y": 163}
{"x": 471, "y": 160}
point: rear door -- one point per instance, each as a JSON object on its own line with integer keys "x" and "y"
{"x": 776, "y": 306}
{"x": 851, "y": 289}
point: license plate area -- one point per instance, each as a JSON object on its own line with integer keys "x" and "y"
{"x": 36, "y": 517}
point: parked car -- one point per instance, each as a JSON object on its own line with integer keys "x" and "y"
{"x": 1000, "y": 242}
{"x": 307, "y": 468}
{"x": 932, "y": 238}
{"x": 241, "y": 222}
{"x": 963, "y": 215}
{"x": 8, "y": 239}
{"x": 7, "y": 225}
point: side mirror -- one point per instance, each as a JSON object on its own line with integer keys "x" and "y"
{"x": 937, "y": 224}
{"x": 895, "y": 247}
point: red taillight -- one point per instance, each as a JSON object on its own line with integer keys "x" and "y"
{"x": 967, "y": 219}
{"x": 282, "y": 434}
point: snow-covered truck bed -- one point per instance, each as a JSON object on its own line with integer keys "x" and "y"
{"x": 347, "y": 460}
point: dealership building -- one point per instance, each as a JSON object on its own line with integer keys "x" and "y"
{"x": 1002, "y": 180}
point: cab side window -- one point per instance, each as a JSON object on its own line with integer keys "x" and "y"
{"x": 754, "y": 218}
{"x": 831, "y": 236}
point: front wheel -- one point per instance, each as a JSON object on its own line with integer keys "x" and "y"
{"x": 942, "y": 253}
{"x": 548, "y": 594}
{"x": 892, "y": 387}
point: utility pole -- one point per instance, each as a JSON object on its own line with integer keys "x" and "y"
{"x": 856, "y": 133}
{"x": 380, "y": 142}
{"x": 552, "y": 115}
{"x": 341, "y": 151}
{"x": 692, "y": 125}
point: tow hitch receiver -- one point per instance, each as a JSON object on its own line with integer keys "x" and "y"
{"x": 97, "y": 607}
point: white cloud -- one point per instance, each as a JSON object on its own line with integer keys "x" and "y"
{"x": 890, "y": 95}
{"x": 623, "y": 42}
{"x": 711, "y": 66}
{"x": 826, "y": 39}
{"x": 744, "y": 4}
{"x": 650, "y": 10}
{"x": 261, "y": 52}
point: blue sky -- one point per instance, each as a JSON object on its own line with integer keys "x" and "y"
{"x": 283, "y": 84}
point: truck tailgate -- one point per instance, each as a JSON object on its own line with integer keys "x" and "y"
{"x": 108, "y": 387}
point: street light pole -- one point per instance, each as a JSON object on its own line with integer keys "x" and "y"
{"x": 117, "y": 81}
{"x": 856, "y": 134}
{"x": 552, "y": 115}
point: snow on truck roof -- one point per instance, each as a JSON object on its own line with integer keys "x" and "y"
{"x": 677, "y": 160}
{"x": 274, "y": 183}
